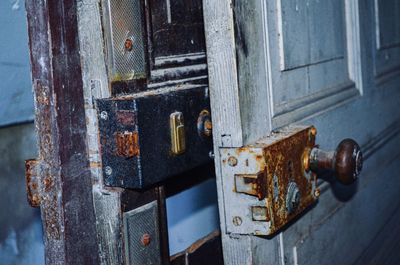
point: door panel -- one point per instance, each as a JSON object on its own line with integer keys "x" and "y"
{"x": 387, "y": 34}
{"x": 309, "y": 57}
{"x": 303, "y": 22}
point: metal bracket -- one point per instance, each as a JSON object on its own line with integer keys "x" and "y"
{"x": 266, "y": 184}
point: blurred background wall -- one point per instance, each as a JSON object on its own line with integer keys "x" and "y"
{"x": 20, "y": 225}
{"x": 192, "y": 213}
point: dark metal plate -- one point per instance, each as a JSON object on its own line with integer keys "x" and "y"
{"x": 135, "y": 136}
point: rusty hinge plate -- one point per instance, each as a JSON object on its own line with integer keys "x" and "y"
{"x": 266, "y": 185}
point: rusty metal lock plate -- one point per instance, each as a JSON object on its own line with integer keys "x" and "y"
{"x": 267, "y": 184}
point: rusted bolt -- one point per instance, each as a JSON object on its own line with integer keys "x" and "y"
{"x": 145, "y": 240}
{"x": 108, "y": 170}
{"x": 312, "y": 133}
{"x": 317, "y": 192}
{"x": 232, "y": 161}
{"x": 104, "y": 115}
{"x": 128, "y": 45}
{"x": 237, "y": 221}
{"x": 204, "y": 124}
{"x": 208, "y": 125}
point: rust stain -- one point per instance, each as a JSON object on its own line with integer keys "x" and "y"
{"x": 285, "y": 161}
{"x": 52, "y": 218}
{"x": 47, "y": 195}
{"x": 31, "y": 182}
{"x": 259, "y": 158}
{"x": 127, "y": 144}
{"x": 283, "y": 176}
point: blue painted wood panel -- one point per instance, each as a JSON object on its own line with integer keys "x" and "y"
{"x": 16, "y": 101}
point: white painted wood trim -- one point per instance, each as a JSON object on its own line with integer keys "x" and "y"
{"x": 222, "y": 70}
{"x": 95, "y": 85}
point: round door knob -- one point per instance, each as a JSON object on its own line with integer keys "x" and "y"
{"x": 346, "y": 161}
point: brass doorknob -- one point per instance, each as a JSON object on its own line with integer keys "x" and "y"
{"x": 346, "y": 161}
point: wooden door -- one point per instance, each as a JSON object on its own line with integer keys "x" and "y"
{"x": 121, "y": 107}
{"x": 331, "y": 64}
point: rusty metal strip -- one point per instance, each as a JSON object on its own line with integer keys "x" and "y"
{"x": 32, "y": 182}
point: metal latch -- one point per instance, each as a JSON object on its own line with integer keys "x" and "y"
{"x": 269, "y": 183}
{"x": 177, "y": 127}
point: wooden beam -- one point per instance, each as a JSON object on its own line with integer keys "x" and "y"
{"x": 66, "y": 190}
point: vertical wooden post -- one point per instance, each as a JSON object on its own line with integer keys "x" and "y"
{"x": 67, "y": 201}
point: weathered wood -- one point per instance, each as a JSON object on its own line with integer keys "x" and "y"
{"x": 342, "y": 96}
{"x": 228, "y": 130}
{"x": 222, "y": 73}
{"x": 95, "y": 85}
{"x": 67, "y": 202}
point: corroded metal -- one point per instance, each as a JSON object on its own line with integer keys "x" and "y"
{"x": 32, "y": 182}
{"x": 127, "y": 144}
{"x": 66, "y": 198}
{"x": 270, "y": 185}
{"x": 204, "y": 124}
{"x": 284, "y": 159}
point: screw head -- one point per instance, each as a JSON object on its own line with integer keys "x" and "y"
{"x": 104, "y": 115}
{"x": 317, "y": 192}
{"x": 128, "y": 45}
{"x": 232, "y": 161}
{"x": 292, "y": 197}
{"x": 145, "y": 240}
{"x": 204, "y": 124}
{"x": 108, "y": 170}
{"x": 237, "y": 221}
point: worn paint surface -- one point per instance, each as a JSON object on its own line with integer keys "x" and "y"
{"x": 66, "y": 191}
{"x": 15, "y": 87}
